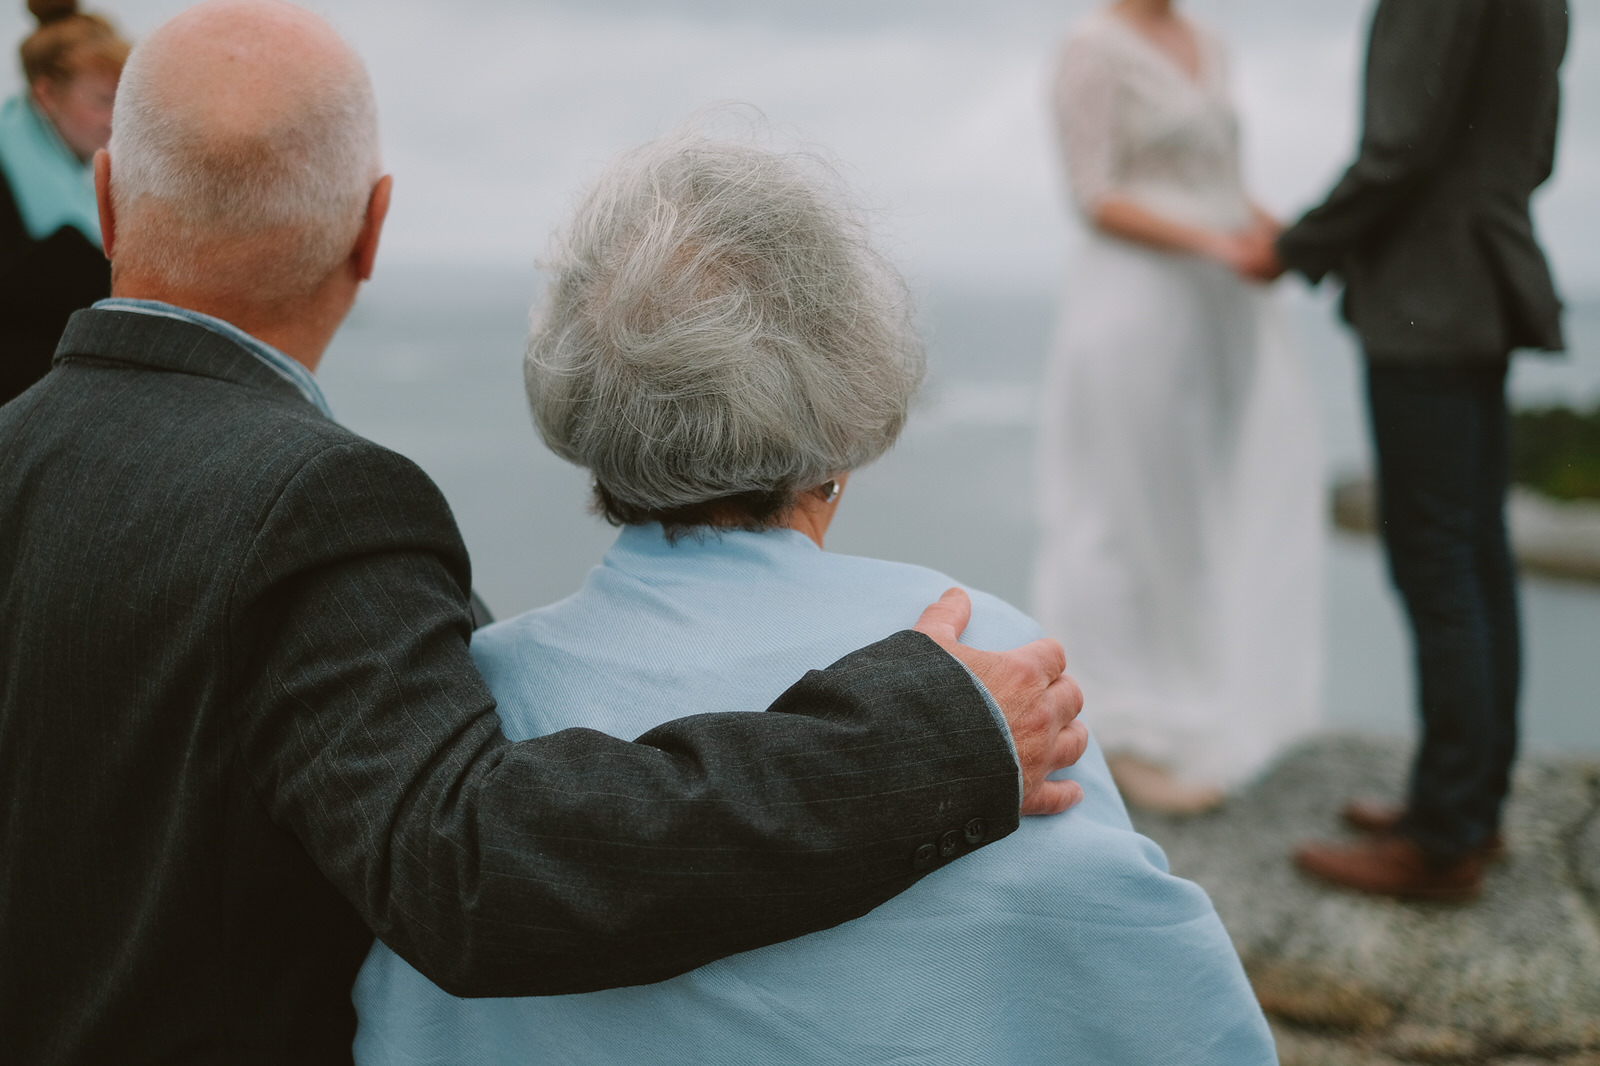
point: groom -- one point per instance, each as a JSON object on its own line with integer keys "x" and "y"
{"x": 1430, "y": 231}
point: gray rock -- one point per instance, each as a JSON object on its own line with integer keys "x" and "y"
{"x": 1516, "y": 972}
{"x": 1557, "y": 538}
{"x": 1586, "y": 859}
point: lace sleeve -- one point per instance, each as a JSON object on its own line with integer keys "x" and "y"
{"x": 1085, "y": 110}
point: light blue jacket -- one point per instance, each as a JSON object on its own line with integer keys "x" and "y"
{"x": 1067, "y": 942}
{"x": 51, "y": 186}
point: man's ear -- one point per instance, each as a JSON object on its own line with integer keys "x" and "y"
{"x": 365, "y": 252}
{"x": 102, "y": 199}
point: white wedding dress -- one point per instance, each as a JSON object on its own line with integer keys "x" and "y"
{"x": 1180, "y": 488}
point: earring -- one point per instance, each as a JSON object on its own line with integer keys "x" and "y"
{"x": 830, "y": 490}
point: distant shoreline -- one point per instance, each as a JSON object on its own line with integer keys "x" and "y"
{"x": 1556, "y": 538}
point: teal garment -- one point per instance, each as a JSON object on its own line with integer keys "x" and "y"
{"x": 51, "y": 187}
{"x": 1068, "y": 941}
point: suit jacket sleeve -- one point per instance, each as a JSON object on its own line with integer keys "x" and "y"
{"x": 1547, "y": 148}
{"x": 1419, "y": 64}
{"x": 574, "y": 861}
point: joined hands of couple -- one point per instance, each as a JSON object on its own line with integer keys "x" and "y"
{"x": 1039, "y": 699}
{"x": 1250, "y": 252}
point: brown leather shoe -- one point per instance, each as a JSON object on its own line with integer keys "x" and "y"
{"x": 1392, "y": 865}
{"x": 1370, "y": 816}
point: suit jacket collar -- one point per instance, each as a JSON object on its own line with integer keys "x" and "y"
{"x": 169, "y": 344}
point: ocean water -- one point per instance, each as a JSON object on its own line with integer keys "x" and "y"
{"x": 429, "y": 364}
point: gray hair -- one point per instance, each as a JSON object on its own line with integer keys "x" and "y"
{"x": 302, "y": 183}
{"x": 718, "y": 325}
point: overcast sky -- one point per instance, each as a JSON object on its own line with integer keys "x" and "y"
{"x": 496, "y": 111}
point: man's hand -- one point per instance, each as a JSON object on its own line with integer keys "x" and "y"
{"x": 1261, "y": 259}
{"x": 1249, "y": 253}
{"x": 1040, "y": 702}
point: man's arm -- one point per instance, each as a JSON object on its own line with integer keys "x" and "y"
{"x": 1031, "y": 694}
{"x": 577, "y": 861}
{"x": 1419, "y": 66}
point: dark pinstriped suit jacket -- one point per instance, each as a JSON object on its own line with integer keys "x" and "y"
{"x": 239, "y": 728}
{"x": 1430, "y": 226}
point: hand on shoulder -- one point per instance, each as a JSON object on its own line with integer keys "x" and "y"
{"x": 1039, "y": 699}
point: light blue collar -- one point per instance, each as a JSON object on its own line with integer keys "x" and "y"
{"x": 51, "y": 186}
{"x": 292, "y": 372}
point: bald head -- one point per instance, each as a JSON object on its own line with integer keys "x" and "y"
{"x": 244, "y": 149}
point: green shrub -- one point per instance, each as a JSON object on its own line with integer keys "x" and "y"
{"x": 1556, "y": 450}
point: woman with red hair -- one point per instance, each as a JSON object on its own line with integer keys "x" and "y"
{"x": 50, "y": 258}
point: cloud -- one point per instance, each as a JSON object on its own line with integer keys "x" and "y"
{"x": 496, "y": 111}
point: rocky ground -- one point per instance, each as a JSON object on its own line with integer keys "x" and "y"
{"x": 1512, "y": 979}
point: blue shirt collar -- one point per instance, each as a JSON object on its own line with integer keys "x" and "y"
{"x": 292, "y": 372}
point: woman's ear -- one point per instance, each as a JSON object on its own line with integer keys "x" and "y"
{"x": 43, "y": 91}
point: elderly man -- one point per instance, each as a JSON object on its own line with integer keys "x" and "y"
{"x": 240, "y": 731}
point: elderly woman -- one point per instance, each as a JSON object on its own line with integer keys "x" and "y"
{"x": 720, "y": 350}
{"x": 50, "y": 258}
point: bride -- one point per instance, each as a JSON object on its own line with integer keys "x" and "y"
{"x": 1180, "y": 498}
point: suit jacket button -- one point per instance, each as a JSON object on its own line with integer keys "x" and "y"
{"x": 923, "y": 857}
{"x": 947, "y": 844}
{"x": 974, "y": 831}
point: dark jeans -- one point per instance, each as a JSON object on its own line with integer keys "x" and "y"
{"x": 1442, "y": 434}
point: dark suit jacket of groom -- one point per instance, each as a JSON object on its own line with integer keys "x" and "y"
{"x": 239, "y": 729}
{"x": 1430, "y": 226}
